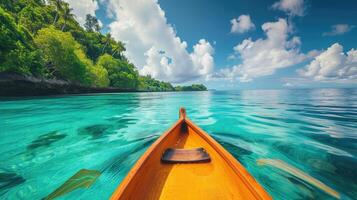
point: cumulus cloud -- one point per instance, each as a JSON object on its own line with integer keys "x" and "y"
{"x": 153, "y": 45}
{"x": 242, "y": 24}
{"x": 333, "y": 65}
{"x": 265, "y": 55}
{"x": 83, "y": 7}
{"x": 338, "y": 29}
{"x": 291, "y": 7}
{"x": 202, "y": 57}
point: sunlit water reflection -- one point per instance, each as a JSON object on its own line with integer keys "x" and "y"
{"x": 44, "y": 141}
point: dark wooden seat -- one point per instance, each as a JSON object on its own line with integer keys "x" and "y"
{"x": 195, "y": 155}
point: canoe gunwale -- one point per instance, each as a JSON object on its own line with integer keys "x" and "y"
{"x": 238, "y": 168}
{"x": 126, "y": 181}
{"x": 250, "y": 183}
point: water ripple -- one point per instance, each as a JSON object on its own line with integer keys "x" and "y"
{"x": 46, "y": 140}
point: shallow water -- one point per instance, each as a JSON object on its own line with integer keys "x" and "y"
{"x": 44, "y": 141}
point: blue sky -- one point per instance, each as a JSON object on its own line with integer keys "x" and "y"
{"x": 193, "y": 21}
{"x": 222, "y": 44}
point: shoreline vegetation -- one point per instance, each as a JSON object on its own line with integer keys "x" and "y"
{"x": 19, "y": 85}
{"x": 44, "y": 50}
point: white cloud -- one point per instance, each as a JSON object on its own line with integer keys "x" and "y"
{"x": 242, "y": 24}
{"x": 264, "y": 56}
{"x": 83, "y": 7}
{"x": 288, "y": 84}
{"x": 333, "y": 65}
{"x": 202, "y": 57}
{"x": 291, "y": 7}
{"x": 338, "y": 29}
{"x": 231, "y": 57}
{"x": 153, "y": 45}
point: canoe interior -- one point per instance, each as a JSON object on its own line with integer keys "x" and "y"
{"x": 152, "y": 179}
{"x": 195, "y": 155}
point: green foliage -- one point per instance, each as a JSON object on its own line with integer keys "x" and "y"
{"x": 90, "y": 41}
{"x": 24, "y": 61}
{"x": 17, "y": 51}
{"x": 97, "y": 75}
{"x": 45, "y": 40}
{"x": 66, "y": 59}
{"x": 121, "y": 73}
{"x": 193, "y": 87}
{"x": 58, "y": 6}
{"x": 34, "y": 17}
{"x": 66, "y": 15}
{"x": 63, "y": 55}
{"x": 13, "y": 6}
{"x": 92, "y": 23}
{"x": 149, "y": 84}
{"x": 10, "y": 32}
{"x": 96, "y": 44}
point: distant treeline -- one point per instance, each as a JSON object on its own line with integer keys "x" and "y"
{"x": 42, "y": 39}
{"x": 193, "y": 87}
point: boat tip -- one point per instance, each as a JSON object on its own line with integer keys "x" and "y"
{"x": 182, "y": 112}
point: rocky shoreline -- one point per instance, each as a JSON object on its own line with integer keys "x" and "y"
{"x": 15, "y": 85}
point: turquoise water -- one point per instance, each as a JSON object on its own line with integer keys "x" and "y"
{"x": 46, "y": 140}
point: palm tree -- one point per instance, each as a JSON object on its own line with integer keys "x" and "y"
{"x": 58, "y": 6}
{"x": 106, "y": 40}
{"x": 66, "y": 15}
{"x": 118, "y": 47}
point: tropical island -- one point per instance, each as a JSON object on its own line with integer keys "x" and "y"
{"x": 44, "y": 50}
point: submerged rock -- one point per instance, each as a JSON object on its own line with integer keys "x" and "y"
{"x": 122, "y": 122}
{"x": 9, "y": 180}
{"x": 96, "y": 131}
{"x": 46, "y": 140}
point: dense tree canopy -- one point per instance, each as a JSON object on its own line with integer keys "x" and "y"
{"x": 149, "y": 84}
{"x": 33, "y": 17}
{"x": 43, "y": 39}
{"x": 61, "y": 54}
{"x": 193, "y": 87}
{"x": 92, "y": 23}
{"x": 17, "y": 50}
{"x": 121, "y": 73}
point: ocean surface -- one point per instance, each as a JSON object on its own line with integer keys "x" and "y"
{"x": 46, "y": 140}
